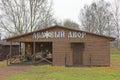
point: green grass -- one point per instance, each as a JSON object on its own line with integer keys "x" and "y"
{"x": 47, "y": 72}
{"x": 114, "y": 50}
{"x": 115, "y": 56}
{"x": 115, "y": 53}
{"x": 63, "y": 73}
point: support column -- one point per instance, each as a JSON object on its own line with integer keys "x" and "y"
{"x": 33, "y": 52}
{"x": 20, "y": 52}
{"x": 10, "y": 51}
{"x": 20, "y": 48}
{"x": 24, "y": 48}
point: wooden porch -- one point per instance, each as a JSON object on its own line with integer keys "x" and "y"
{"x": 32, "y": 52}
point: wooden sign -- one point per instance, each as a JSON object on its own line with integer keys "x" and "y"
{"x": 60, "y": 34}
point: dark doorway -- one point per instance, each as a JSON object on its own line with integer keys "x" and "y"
{"x": 77, "y": 53}
{"x": 44, "y": 47}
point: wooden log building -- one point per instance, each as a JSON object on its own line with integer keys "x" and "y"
{"x": 62, "y": 46}
{"x": 5, "y": 47}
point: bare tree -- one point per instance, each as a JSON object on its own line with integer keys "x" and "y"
{"x": 70, "y": 24}
{"x": 67, "y": 23}
{"x": 87, "y": 19}
{"x": 97, "y": 18}
{"x": 116, "y": 12}
{"x": 21, "y": 16}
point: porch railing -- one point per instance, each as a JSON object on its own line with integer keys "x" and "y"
{"x": 14, "y": 58}
{"x": 41, "y": 58}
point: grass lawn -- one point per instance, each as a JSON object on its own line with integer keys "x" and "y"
{"x": 47, "y": 72}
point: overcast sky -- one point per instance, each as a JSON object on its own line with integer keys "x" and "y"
{"x": 69, "y": 9}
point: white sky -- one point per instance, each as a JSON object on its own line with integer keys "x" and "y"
{"x": 69, "y": 9}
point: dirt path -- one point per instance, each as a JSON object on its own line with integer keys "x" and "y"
{"x": 7, "y": 71}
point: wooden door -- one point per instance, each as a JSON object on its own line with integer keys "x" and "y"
{"x": 77, "y": 53}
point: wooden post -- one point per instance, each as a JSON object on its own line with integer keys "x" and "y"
{"x": 33, "y": 52}
{"x": 20, "y": 48}
{"x": 10, "y": 51}
{"x": 20, "y": 52}
{"x": 25, "y": 48}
